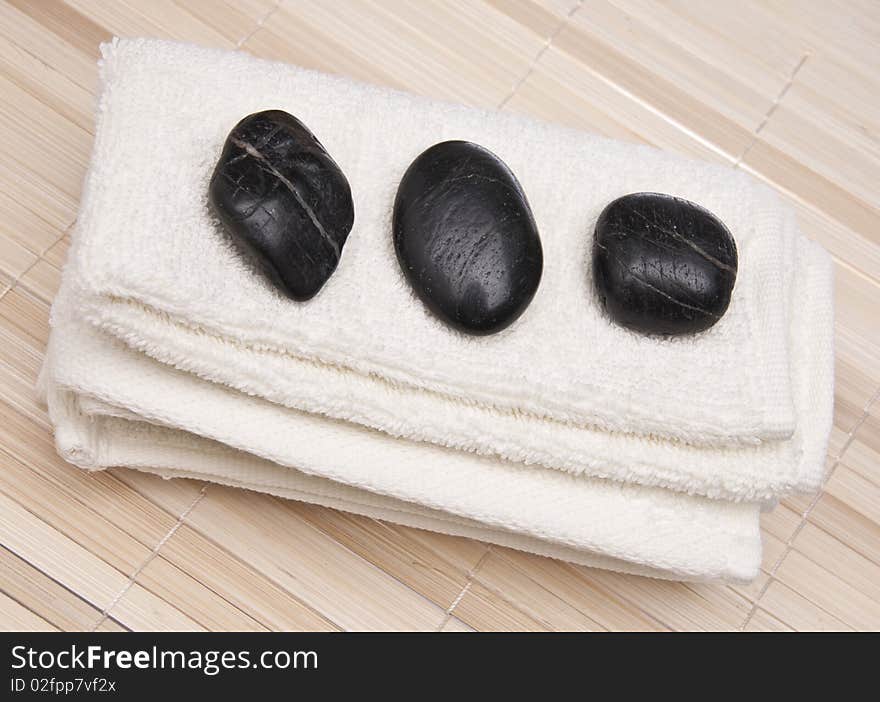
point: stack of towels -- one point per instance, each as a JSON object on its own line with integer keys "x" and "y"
{"x": 563, "y": 435}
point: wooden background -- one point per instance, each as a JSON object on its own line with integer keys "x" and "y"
{"x": 785, "y": 90}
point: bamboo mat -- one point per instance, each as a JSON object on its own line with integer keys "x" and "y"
{"x": 785, "y": 90}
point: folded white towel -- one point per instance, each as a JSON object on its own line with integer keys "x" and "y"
{"x": 379, "y": 405}
{"x": 526, "y": 394}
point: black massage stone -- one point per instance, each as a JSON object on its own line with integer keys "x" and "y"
{"x": 466, "y": 238}
{"x": 663, "y": 265}
{"x": 283, "y": 200}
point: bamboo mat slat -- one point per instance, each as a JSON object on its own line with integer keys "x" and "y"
{"x": 43, "y": 596}
{"x": 20, "y": 618}
{"x": 247, "y": 594}
{"x": 784, "y": 90}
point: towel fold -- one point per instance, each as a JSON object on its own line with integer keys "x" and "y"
{"x": 563, "y": 435}
{"x": 112, "y": 406}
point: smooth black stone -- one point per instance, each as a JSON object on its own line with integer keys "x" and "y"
{"x": 663, "y": 265}
{"x": 283, "y": 200}
{"x": 466, "y": 238}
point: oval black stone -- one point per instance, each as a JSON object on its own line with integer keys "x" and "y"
{"x": 663, "y": 265}
{"x": 283, "y": 200}
{"x": 466, "y": 238}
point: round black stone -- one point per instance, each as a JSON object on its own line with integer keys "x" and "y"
{"x": 466, "y": 238}
{"x": 283, "y": 200}
{"x": 663, "y": 265}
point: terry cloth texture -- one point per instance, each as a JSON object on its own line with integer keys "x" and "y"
{"x": 563, "y": 434}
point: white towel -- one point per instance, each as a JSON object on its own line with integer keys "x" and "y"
{"x": 562, "y": 432}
